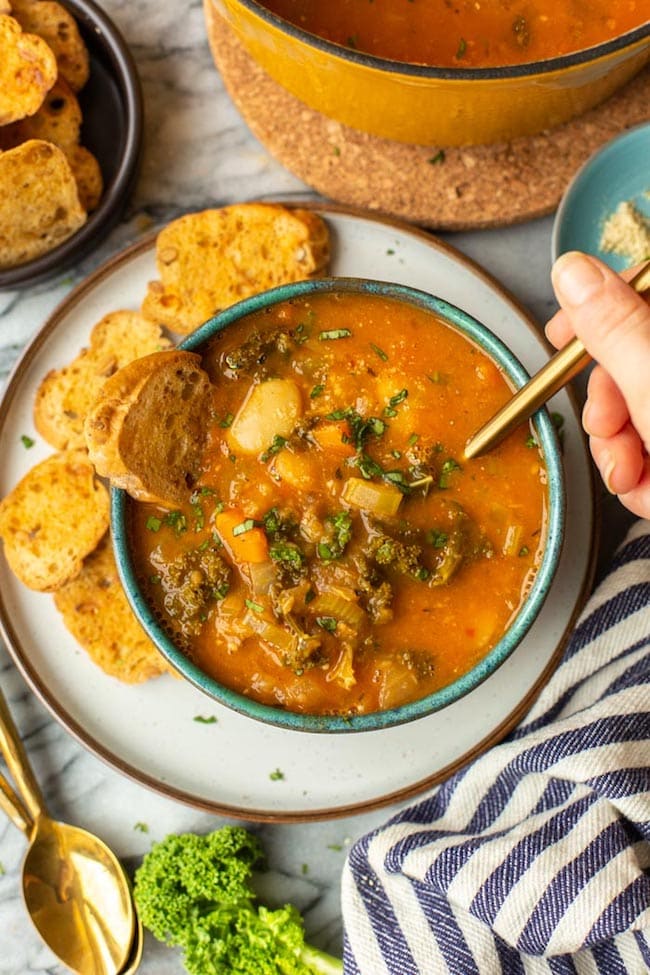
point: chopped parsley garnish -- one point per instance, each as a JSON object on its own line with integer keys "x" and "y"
{"x": 394, "y": 401}
{"x": 226, "y": 421}
{"x": 523, "y": 551}
{"x": 202, "y": 719}
{"x": 334, "y": 547}
{"x": 244, "y": 526}
{"x": 398, "y": 397}
{"x": 153, "y": 524}
{"x": 531, "y": 441}
{"x": 462, "y": 48}
{"x": 317, "y": 391}
{"x": 438, "y": 158}
{"x": 449, "y": 466}
{"x": 360, "y": 427}
{"x": 177, "y": 521}
{"x": 327, "y": 623}
{"x": 275, "y": 448}
{"x": 380, "y": 352}
{"x": 26, "y": 441}
{"x": 255, "y": 607}
{"x": 413, "y": 439}
{"x": 436, "y": 538}
{"x": 334, "y": 333}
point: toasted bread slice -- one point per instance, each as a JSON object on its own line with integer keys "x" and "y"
{"x": 53, "y": 519}
{"x": 58, "y": 120}
{"x": 58, "y": 28}
{"x": 88, "y": 176}
{"x": 27, "y": 71}
{"x": 97, "y": 613}
{"x": 147, "y": 429}
{"x": 65, "y": 395}
{"x": 207, "y": 261}
{"x": 39, "y": 203}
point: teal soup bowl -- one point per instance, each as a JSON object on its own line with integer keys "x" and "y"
{"x": 338, "y": 565}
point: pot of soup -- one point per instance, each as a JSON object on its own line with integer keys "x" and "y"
{"x": 338, "y": 564}
{"x": 445, "y": 74}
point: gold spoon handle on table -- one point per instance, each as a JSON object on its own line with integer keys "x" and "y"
{"x": 15, "y": 756}
{"x": 557, "y": 372}
{"x": 13, "y": 807}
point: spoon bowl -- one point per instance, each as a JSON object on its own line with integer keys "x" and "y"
{"x": 77, "y": 898}
{"x": 75, "y": 889}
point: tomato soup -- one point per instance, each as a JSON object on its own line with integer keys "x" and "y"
{"x": 464, "y": 33}
{"x": 338, "y": 555}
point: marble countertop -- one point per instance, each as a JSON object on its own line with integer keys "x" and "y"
{"x": 198, "y": 153}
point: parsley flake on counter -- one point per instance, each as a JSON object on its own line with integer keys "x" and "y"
{"x": 277, "y": 775}
{"x": 26, "y": 441}
{"x": 141, "y": 827}
{"x": 202, "y": 719}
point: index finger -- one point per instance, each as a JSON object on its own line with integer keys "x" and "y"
{"x": 559, "y": 329}
{"x": 613, "y": 323}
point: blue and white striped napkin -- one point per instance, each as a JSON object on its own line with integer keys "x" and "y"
{"x": 535, "y": 858}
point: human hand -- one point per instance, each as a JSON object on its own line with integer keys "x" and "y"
{"x": 613, "y": 323}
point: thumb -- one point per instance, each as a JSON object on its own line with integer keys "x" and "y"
{"x": 613, "y": 323}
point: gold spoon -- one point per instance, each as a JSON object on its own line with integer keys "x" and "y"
{"x": 135, "y": 955}
{"x": 75, "y": 889}
{"x": 557, "y": 372}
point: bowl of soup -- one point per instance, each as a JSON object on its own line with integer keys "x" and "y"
{"x": 339, "y": 565}
{"x": 439, "y": 73}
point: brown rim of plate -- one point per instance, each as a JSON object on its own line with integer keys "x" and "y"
{"x": 287, "y": 816}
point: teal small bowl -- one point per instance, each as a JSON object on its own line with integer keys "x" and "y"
{"x": 545, "y": 434}
{"x": 617, "y": 173}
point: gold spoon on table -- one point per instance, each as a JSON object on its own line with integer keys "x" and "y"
{"x": 15, "y": 810}
{"x": 75, "y": 889}
{"x": 557, "y": 372}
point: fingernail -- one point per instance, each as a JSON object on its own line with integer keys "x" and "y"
{"x": 585, "y": 416}
{"x": 607, "y": 465}
{"x": 576, "y": 278}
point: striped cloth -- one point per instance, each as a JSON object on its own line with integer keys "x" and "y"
{"x": 534, "y": 859}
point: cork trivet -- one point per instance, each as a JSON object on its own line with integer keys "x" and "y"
{"x": 483, "y": 186}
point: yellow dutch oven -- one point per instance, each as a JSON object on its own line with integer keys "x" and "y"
{"x": 433, "y": 106}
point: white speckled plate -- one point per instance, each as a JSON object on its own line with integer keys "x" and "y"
{"x": 150, "y": 732}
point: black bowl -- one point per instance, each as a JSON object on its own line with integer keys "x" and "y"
{"x": 112, "y": 129}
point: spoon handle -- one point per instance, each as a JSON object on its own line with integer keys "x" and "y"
{"x": 18, "y": 764}
{"x": 557, "y": 372}
{"x": 13, "y": 807}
